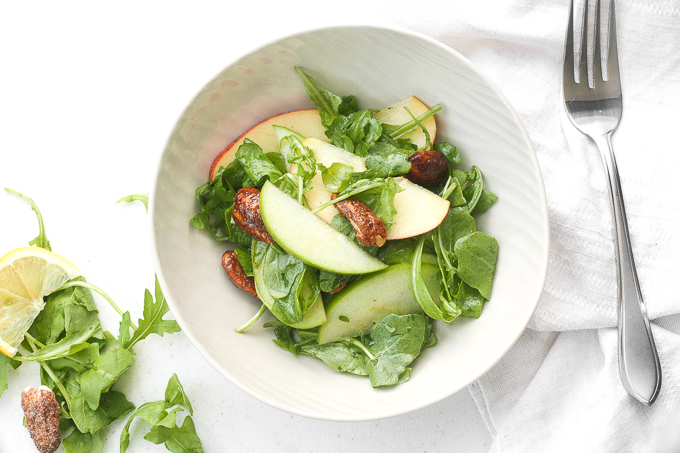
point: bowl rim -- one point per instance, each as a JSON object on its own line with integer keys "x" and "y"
{"x": 521, "y": 327}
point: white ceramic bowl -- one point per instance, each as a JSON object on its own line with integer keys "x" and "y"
{"x": 380, "y": 66}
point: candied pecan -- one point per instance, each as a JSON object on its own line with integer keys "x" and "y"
{"x": 247, "y": 216}
{"x": 42, "y": 417}
{"x": 231, "y": 264}
{"x": 370, "y": 228}
{"x": 428, "y": 168}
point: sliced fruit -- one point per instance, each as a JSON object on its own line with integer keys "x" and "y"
{"x": 27, "y": 274}
{"x": 306, "y": 122}
{"x": 367, "y": 301}
{"x": 304, "y": 235}
{"x": 315, "y": 316}
{"x": 418, "y": 210}
{"x": 397, "y": 114}
{"x": 327, "y": 154}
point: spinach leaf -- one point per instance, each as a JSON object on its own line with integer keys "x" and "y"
{"x": 328, "y": 281}
{"x": 41, "y": 239}
{"x": 292, "y": 285}
{"x": 396, "y": 341}
{"x": 143, "y": 197}
{"x": 245, "y": 260}
{"x": 477, "y": 254}
{"x": 339, "y": 356}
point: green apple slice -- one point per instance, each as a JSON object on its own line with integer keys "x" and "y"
{"x": 305, "y": 236}
{"x": 315, "y": 316}
{"x": 367, "y": 301}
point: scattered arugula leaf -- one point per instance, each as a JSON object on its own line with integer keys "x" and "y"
{"x": 153, "y": 321}
{"x": 162, "y": 415}
{"x": 4, "y": 363}
{"x": 143, "y": 197}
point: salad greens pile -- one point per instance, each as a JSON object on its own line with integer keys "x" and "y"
{"x": 465, "y": 257}
{"x": 81, "y": 362}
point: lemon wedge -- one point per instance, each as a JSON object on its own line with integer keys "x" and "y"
{"x": 27, "y": 274}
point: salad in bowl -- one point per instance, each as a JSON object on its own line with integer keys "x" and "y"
{"x": 354, "y": 227}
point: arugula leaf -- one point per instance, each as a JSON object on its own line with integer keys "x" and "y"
{"x": 326, "y": 102}
{"x": 486, "y": 200}
{"x": 384, "y": 166}
{"x": 103, "y": 373}
{"x": 4, "y": 362}
{"x": 380, "y": 199}
{"x": 113, "y": 405}
{"x": 449, "y": 151}
{"x": 445, "y": 311}
{"x": 80, "y": 325}
{"x": 153, "y": 321}
{"x": 474, "y": 191}
{"x": 78, "y": 442}
{"x": 337, "y": 177}
{"x": 162, "y": 415}
{"x": 143, "y": 197}
{"x": 41, "y": 239}
{"x": 152, "y": 412}
{"x": 256, "y": 164}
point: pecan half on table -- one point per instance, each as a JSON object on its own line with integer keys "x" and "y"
{"x": 369, "y": 228}
{"x": 236, "y": 274}
{"x": 247, "y": 216}
{"x": 42, "y": 417}
{"x": 428, "y": 168}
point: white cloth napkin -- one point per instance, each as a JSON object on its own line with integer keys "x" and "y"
{"x": 559, "y": 388}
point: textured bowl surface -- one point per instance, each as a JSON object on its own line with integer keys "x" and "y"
{"x": 380, "y": 66}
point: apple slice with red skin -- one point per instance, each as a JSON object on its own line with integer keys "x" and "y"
{"x": 306, "y": 122}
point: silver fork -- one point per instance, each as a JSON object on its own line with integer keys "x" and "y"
{"x": 596, "y": 112}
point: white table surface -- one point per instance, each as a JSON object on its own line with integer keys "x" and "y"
{"x": 89, "y": 93}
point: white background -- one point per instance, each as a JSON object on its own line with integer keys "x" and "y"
{"x": 89, "y": 93}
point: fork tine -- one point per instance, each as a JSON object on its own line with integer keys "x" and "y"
{"x": 569, "y": 71}
{"x": 597, "y": 54}
{"x": 613, "y": 79}
{"x": 583, "y": 67}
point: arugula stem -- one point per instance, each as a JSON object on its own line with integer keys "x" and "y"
{"x": 361, "y": 346}
{"x": 41, "y": 239}
{"x": 32, "y": 341}
{"x": 428, "y": 142}
{"x": 407, "y": 128}
{"x": 73, "y": 283}
{"x": 252, "y": 320}
{"x": 346, "y": 196}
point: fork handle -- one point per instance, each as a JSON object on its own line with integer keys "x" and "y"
{"x": 638, "y": 360}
